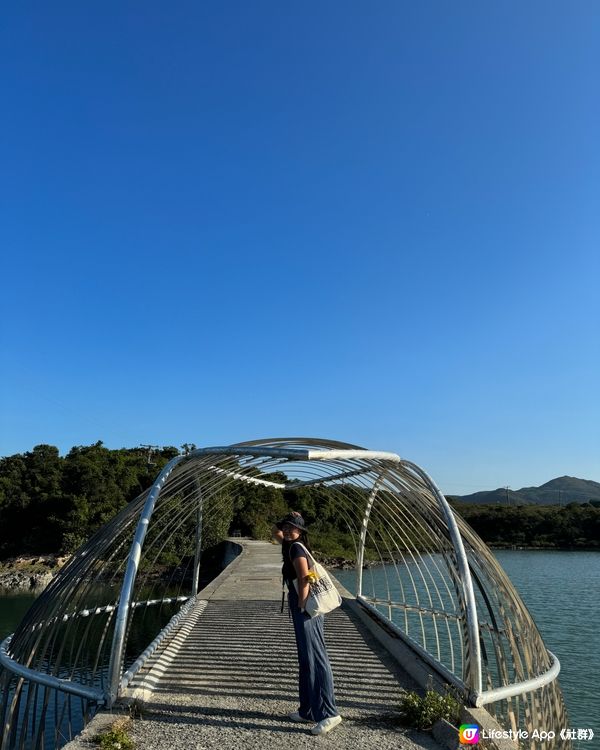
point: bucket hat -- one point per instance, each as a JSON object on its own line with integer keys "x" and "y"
{"x": 293, "y": 519}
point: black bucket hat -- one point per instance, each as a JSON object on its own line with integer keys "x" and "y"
{"x": 294, "y": 519}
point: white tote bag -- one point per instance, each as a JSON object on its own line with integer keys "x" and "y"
{"x": 323, "y": 596}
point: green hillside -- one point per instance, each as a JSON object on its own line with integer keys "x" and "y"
{"x": 559, "y": 491}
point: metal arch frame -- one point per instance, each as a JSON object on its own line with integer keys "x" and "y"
{"x": 133, "y": 561}
{"x": 389, "y": 490}
{"x": 118, "y": 642}
{"x": 363, "y": 534}
{"x": 114, "y": 677}
{"x": 475, "y": 683}
{"x": 468, "y": 592}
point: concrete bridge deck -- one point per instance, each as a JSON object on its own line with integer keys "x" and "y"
{"x": 229, "y": 677}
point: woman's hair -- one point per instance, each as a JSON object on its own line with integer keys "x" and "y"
{"x": 285, "y": 546}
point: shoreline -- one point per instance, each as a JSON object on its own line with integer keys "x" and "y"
{"x": 31, "y": 574}
{"x": 525, "y": 548}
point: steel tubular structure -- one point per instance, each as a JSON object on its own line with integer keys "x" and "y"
{"x": 422, "y": 572}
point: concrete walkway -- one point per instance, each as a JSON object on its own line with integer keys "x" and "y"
{"x": 230, "y": 677}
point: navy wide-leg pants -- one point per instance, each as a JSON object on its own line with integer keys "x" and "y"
{"x": 317, "y": 699}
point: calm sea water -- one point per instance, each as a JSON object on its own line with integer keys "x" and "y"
{"x": 12, "y": 609}
{"x": 562, "y": 592}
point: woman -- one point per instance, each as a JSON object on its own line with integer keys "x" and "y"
{"x": 317, "y": 699}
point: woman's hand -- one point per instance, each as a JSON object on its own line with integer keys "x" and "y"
{"x": 277, "y": 534}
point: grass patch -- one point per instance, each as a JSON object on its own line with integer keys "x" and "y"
{"x": 116, "y": 738}
{"x": 421, "y": 712}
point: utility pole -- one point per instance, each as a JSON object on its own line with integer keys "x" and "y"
{"x": 507, "y": 489}
{"x": 151, "y": 449}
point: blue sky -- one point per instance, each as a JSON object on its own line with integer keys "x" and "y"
{"x": 376, "y": 224}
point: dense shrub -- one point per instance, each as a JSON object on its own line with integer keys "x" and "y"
{"x": 421, "y": 712}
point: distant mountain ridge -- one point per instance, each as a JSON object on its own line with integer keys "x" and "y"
{"x": 559, "y": 491}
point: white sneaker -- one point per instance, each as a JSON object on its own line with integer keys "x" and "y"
{"x": 295, "y": 716}
{"x": 326, "y": 725}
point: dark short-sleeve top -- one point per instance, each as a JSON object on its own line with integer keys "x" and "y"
{"x": 289, "y": 571}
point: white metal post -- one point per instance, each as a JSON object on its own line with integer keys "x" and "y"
{"x": 198, "y": 552}
{"x": 363, "y": 537}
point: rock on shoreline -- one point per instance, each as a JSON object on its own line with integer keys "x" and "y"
{"x": 24, "y": 581}
{"x": 29, "y": 573}
{"x": 337, "y": 563}
{"x": 343, "y": 563}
